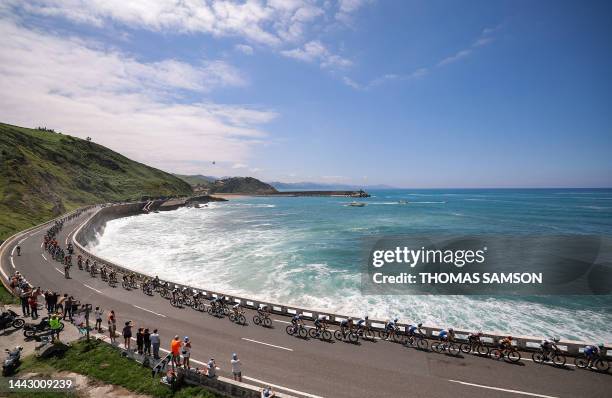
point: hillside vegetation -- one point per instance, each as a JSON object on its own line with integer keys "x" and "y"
{"x": 44, "y": 174}
{"x": 245, "y": 185}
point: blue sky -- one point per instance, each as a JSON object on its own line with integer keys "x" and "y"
{"x": 405, "y": 93}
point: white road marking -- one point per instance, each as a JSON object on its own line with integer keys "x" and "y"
{"x": 268, "y": 344}
{"x": 43, "y": 256}
{"x": 92, "y": 288}
{"x": 152, "y": 312}
{"x": 503, "y": 389}
{"x": 58, "y": 270}
{"x": 278, "y": 320}
{"x": 42, "y": 244}
{"x": 12, "y": 262}
{"x": 4, "y": 274}
{"x": 281, "y": 387}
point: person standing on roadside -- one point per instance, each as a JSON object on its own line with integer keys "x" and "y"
{"x": 146, "y": 336}
{"x": 175, "y": 350}
{"x": 140, "y": 340}
{"x": 236, "y": 367}
{"x": 33, "y": 305}
{"x": 212, "y": 368}
{"x": 186, "y": 352}
{"x": 18, "y": 250}
{"x": 155, "y": 342}
{"x": 68, "y": 308}
{"x": 127, "y": 335}
{"x": 23, "y": 298}
{"x": 56, "y": 326}
{"x": 112, "y": 326}
{"x": 98, "y": 315}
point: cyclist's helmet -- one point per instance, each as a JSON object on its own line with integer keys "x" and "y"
{"x": 555, "y": 339}
{"x": 451, "y": 330}
{"x": 509, "y": 337}
{"x": 395, "y": 319}
{"x": 366, "y": 318}
{"x": 419, "y": 325}
{"x": 601, "y": 345}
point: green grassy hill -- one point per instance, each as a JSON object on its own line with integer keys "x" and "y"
{"x": 44, "y": 174}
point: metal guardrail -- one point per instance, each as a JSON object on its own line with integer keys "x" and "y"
{"x": 526, "y": 343}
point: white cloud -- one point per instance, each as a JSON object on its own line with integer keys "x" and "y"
{"x": 455, "y": 57}
{"x": 239, "y": 166}
{"x": 244, "y": 48}
{"x": 315, "y": 51}
{"x": 271, "y": 22}
{"x": 346, "y": 9}
{"x": 134, "y": 107}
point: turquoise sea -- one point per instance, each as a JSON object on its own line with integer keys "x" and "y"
{"x": 306, "y": 251}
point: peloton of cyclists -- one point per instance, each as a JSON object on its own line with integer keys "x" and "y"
{"x": 296, "y": 321}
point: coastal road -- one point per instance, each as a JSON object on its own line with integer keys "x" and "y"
{"x": 305, "y": 368}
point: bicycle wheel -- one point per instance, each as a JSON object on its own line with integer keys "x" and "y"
{"x": 581, "y": 362}
{"x": 201, "y": 307}
{"x": 289, "y": 330}
{"x": 559, "y": 359}
{"x": 338, "y": 335}
{"x": 514, "y": 356}
{"x": 453, "y": 349}
{"x": 496, "y": 353}
{"x": 232, "y": 317}
{"x": 312, "y": 333}
{"x": 267, "y": 322}
{"x": 256, "y": 320}
{"x": 602, "y": 365}
{"x": 209, "y": 310}
{"x": 383, "y": 334}
{"x": 465, "y": 348}
{"x": 368, "y": 334}
{"x": 398, "y": 338}
{"x": 241, "y": 319}
{"x": 422, "y": 344}
{"x": 326, "y": 335}
{"x": 537, "y": 357}
{"x": 303, "y": 332}
{"x": 436, "y": 347}
{"x": 482, "y": 349}
{"x": 353, "y": 338}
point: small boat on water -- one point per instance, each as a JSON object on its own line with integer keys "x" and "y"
{"x": 357, "y": 204}
{"x": 402, "y": 202}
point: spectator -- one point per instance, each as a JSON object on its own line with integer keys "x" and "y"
{"x": 112, "y": 326}
{"x": 236, "y": 367}
{"x": 127, "y": 335}
{"x": 186, "y": 352}
{"x": 54, "y": 298}
{"x": 23, "y": 298}
{"x": 267, "y": 392}
{"x": 139, "y": 341}
{"x": 55, "y": 325}
{"x": 155, "y": 342}
{"x": 212, "y": 367}
{"x": 48, "y": 299}
{"x": 175, "y": 350}
{"x": 33, "y": 305}
{"x": 146, "y": 335}
{"x": 68, "y": 308}
{"x": 59, "y": 307}
{"x": 98, "y": 315}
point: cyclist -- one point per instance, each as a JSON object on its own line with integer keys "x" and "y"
{"x": 447, "y": 335}
{"x": 346, "y": 325}
{"x": 505, "y": 343}
{"x": 412, "y": 330}
{"x": 390, "y": 326}
{"x": 362, "y": 324}
{"x": 18, "y": 250}
{"x": 156, "y": 281}
{"x": 549, "y": 345}
{"x": 263, "y": 311}
{"x": 236, "y": 309}
{"x": 296, "y": 321}
{"x": 320, "y": 323}
{"x": 80, "y": 261}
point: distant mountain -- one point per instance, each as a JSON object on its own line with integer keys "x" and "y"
{"x": 312, "y": 186}
{"x": 44, "y": 174}
{"x": 248, "y": 185}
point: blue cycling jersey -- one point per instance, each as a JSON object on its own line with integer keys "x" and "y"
{"x": 443, "y": 333}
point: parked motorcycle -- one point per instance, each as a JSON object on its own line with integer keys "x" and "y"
{"x": 12, "y": 361}
{"x": 42, "y": 328}
{"x": 10, "y": 318}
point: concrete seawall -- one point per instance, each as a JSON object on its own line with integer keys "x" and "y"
{"x": 95, "y": 224}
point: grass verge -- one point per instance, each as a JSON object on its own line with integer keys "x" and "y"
{"x": 6, "y": 297}
{"x": 104, "y": 363}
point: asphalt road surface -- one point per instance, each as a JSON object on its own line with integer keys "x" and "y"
{"x": 305, "y": 368}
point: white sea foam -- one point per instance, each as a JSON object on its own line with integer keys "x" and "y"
{"x": 230, "y": 248}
